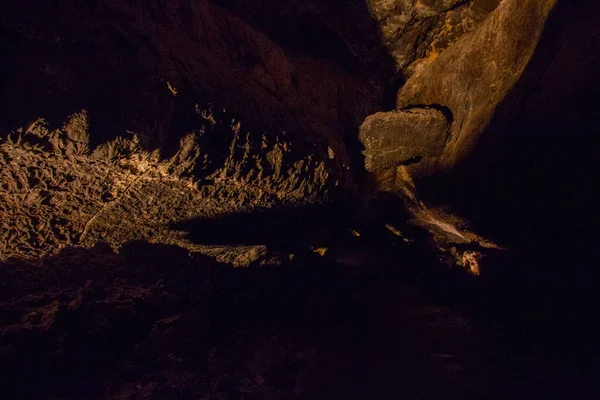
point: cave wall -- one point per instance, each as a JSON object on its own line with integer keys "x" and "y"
{"x": 520, "y": 138}
{"x": 277, "y": 90}
{"x": 314, "y": 69}
{"x": 123, "y": 117}
{"x": 535, "y": 159}
{"x": 472, "y": 77}
{"x": 116, "y": 59}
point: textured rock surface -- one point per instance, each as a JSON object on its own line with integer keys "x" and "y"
{"x": 520, "y": 89}
{"x": 153, "y": 322}
{"x": 376, "y": 38}
{"x": 118, "y": 60}
{"x": 515, "y": 118}
{"x": 403, "y": 137}
{"x": 150, "y": 70}
{"x": 478, "y": 71}
{"x": 416, "y": 32}
{"x": 469, "y": 81}
{"x": 140, "y": 70}
{"x": 57, "y": 193}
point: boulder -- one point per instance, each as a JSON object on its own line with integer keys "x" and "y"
{"x": 403, "y": 137}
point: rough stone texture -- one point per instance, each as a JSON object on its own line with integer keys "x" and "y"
{"x": 478, "y": 72}
{"x": 376, "y": 38}
{"x": 416, "y": 32}
{"x": 139, "y": 70}
{"x": 139, "y": 66}
{"x": 402, "y": 137}
{"x": 170, "y": 110}
{"x": 56, "y": 193}
{"x": 532, "y": 166}
{"x": 522, "y": 91}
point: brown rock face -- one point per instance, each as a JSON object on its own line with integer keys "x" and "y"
{"x": 469, "y": 80}
{"x": 118, "y": 59}
{"x": 475, "y": 74}
{"x": 57, "y": 193}
{"x": 416, "y": 32}
{"x": 403, "y": 137}
{"x": 163, "y": 105}
{"x": 296, "y": 79}
{"x": 523, "y": 139}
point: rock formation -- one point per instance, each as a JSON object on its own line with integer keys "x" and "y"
{"x": 511, "y": 120}
{"x": 152, "y": 74}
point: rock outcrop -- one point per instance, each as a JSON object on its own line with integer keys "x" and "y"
{"x": 513, "y": 116}
{"x": 194, "y": 89}
{"x": 120, "y": 118}
{"x": 403, "y": 137}
{"x": 142, "y": 66}
{"x": 416, "y": 32}
{"x": 520, "y": 90}
{"x": 148, "y": 147}
{"x": 474, "y": 75}
{"x": 56, "y": 192}
{"x": 471, "y": 78}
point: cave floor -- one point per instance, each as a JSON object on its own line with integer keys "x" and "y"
{"x": 359, "y": 322}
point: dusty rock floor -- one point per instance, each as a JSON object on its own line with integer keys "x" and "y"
{"x": 363, "y": 321}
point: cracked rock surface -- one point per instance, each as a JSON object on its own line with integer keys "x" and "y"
{"x": 403, "y": 137}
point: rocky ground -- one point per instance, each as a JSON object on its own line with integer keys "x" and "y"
{"x": 360, "y": 320}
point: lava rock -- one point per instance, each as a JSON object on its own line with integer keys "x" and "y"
{"x": 475, "y": 74}
{"x": 403, "y": 137}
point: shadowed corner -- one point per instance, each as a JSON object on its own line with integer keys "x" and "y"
{"x": 134, "y": 316}
{"x": 280, "y": 229}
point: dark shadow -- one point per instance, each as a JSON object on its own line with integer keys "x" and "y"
{"x": 94, "y": 321}
{"x": 44, "y": 78}
{"x": 340, "y": 31}
{"x": 279, "y": 228}
{"x": 534, "y": 168}
{"x": 390, "y": 93}
{"x": 319, "y": 41}
{"x": 61, "y": 59}
{"x": 99, "y": 320}
{"x": 533, "y": 164}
